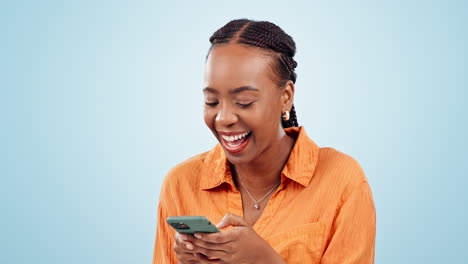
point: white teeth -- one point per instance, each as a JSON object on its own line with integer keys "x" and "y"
{"x": 234, "y": 138}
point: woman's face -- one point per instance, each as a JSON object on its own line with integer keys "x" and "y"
{"x": 243, "y": 104}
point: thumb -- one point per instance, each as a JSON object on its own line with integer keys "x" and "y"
{"x": 231, "y": 220}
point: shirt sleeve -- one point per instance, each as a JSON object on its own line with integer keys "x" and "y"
{"x": 164, "y": 244}
{"x": 353, "y": 231}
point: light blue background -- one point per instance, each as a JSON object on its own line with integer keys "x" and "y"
{"x": 99, "y": 99}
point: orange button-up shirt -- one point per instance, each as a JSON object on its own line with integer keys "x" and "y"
{"x": 322, "y": 212}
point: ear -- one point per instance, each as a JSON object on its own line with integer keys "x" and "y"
{"x": 287, "y": 96}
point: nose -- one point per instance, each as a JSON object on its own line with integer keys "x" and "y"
{"x": 226, "y": 116}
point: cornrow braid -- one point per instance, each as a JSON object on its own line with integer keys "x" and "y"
{"x": 268, "y": 36}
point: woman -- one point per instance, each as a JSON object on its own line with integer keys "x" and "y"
{"x": 276, "y": 196}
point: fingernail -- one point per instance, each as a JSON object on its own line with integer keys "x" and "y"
{"x": 198, "y": 236}
{"x": 183, "y": 237}
{"x": 189, "y": 246}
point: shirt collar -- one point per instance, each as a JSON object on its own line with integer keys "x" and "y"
{"x": 300, "y": 166}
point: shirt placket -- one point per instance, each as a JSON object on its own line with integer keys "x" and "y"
{"x": 234, "y": 201}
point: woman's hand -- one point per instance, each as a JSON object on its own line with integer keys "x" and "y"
{"x": 184, "y": 249}
{"x": 238, "y": 244}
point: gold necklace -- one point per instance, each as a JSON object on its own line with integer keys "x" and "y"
{"x": 257, "y": 206}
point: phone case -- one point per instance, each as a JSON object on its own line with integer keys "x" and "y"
{"x": 191, "y": 224}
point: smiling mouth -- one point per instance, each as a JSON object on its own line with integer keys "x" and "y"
{"x": 236, "y": 143}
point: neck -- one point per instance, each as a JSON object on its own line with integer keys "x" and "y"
{"x": 265, "y": 172}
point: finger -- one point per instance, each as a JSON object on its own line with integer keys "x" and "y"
{"x": 176, "y": 236}
{"x": 184, "y": 249}
{"x": 219, "y": 238}
{"x": 212, "y": 254}
{"x": 187, "y": 258}
{"x": 183, "y": 246}
{"x": 188, "y": 241}
{"x": 186, "y": 238}
{"x": 231, "y": 220}
{"x": 208, "y": 260}
{"x": 209, "y": 245}
{"x": 186, "y": 246}
{"x": 198, "y": 255}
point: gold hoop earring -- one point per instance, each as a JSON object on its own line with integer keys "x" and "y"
{"x": 286, "y": 115}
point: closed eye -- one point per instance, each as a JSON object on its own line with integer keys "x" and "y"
{"x": 212, "y": 104}
{"x": 245, "y": 105}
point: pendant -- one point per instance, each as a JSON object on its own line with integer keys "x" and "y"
{"x": 257, "y": 206}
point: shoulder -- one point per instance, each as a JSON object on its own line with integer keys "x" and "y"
{"x": 340, "y": 167}
{"x": 186, "y": 171}
{"x": 180, "y": 183}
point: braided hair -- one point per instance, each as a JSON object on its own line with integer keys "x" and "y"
{"x": 269, "y": 37}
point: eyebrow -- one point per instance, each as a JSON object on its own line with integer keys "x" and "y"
{"x": 233, "y": 91}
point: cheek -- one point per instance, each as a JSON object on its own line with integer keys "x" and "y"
{"x": 268, "y": 115}
{"x": 263, "y": 121}
{"x": 209, "y": 116}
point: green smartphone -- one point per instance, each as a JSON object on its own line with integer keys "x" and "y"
{"x": 191, "y": 224}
